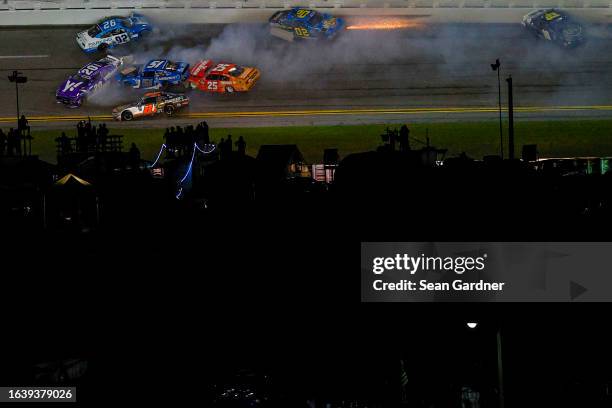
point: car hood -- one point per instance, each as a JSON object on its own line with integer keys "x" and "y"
{"x": 71, "y": 88}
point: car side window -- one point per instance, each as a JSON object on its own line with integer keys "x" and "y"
{"x": 223, "y": 78}
{"x": 149, "y": 100}
{"x": 212, "y": 77}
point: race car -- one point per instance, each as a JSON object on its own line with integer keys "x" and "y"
{"x": 222, "y": 78}
{"x": 113, "y": 31}
{"x": 152, "y": 103}
{"x": 300, "y": 23}
{"x": 556, "y": 26}
{"x": 89, "y": 79}
{"x": 155, "y": 74}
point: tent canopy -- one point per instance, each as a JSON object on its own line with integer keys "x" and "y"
{"x": 70, "y": 179}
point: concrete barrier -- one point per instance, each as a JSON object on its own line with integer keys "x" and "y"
{"x": 83, "y": 12}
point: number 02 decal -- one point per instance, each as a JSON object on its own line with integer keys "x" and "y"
{"x": 302, "y": 32}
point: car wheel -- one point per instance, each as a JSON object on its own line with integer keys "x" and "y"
{"x": 169, "y": 110}
{"x": 229, "y": 89}
{"x": 102, "y": 47}
{"x": 127, "y": 116}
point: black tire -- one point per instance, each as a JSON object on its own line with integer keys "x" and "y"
{"x": 229, "y": 89}
{"x": 103, "y": 47}
{"x": 127, "y": 116}
{"x": 169, "y": 110}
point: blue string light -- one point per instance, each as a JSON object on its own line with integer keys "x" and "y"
{"x": 161, "y": 150}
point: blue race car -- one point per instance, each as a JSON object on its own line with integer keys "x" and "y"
{"x": 555, "y": 26}
{"x": 155, "y": 74}
{"x": 113, "y": 31}
{"x": 300, "y": 23}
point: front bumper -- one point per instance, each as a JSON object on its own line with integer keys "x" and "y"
{"x": 69, "y": 102}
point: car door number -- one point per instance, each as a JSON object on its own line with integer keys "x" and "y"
{"x": 150, "y": 109}
{"x": 122, "y": 38}
{"x": 301, "y": 32}
{"x": 213, "y": 85}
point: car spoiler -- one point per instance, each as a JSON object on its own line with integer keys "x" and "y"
{"x": 129, "y": 70}
{"x": 275, "y": 17}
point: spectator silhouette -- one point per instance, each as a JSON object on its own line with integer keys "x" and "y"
{"x": 241, "y": 146}
{"x": 22, "y": 125}
{"x": 205, "y": 134}
{"x": 222, "y": 149}
{"x": 134, "y": 156}
{"x": 63, "y": 143}
{"x": 229, "y": 146}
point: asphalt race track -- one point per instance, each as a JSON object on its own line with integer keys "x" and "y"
{"x": 425, "y": 73}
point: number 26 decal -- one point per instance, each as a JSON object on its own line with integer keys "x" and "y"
{"x": 109, "y": 24}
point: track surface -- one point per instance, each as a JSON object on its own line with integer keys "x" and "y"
{"x": 435, "y": 73}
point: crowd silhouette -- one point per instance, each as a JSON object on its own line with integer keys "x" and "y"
{"x": 17, "y": 142}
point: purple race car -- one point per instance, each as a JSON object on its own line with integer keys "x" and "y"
{"x": 87, "y": 81}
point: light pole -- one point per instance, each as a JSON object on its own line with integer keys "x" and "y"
{"x": 497, "y": 67}
{"x": 17, "y": 78}
{"x": 472, "y": 325}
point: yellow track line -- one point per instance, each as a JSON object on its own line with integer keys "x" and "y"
{"x": 381, "y": 111}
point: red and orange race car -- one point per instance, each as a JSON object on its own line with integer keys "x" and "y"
{"x": 224, "y": 78}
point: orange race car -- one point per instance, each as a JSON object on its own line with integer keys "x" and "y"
{"x": 228, "y": 78}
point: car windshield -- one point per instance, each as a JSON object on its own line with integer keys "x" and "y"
{"x": 172, "y": 66}
{"x": 93, "y": 31}
{"x": 315, "y": 19}
{"x": 236, "y": 71}
{"x": 81, "y": 78}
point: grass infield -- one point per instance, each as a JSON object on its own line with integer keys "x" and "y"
{"x": 559, "y": 138}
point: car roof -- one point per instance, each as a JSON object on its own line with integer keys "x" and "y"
{"x": 292, "y": 14}
{"x": 151, "y": 94}
{"x": 162, "y": 66}
{"x": 549, "y": 15}
{"x": 225, "y": 70}
{"x": 118, "y": 24}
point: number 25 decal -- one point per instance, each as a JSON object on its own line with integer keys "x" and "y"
{"x": 212, "y": 85}
{"x": 302, "y": 32}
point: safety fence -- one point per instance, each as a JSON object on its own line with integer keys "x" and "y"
{"x": 61, "y": 12}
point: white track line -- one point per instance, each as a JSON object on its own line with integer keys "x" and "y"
{"x": 22, "y": 56}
